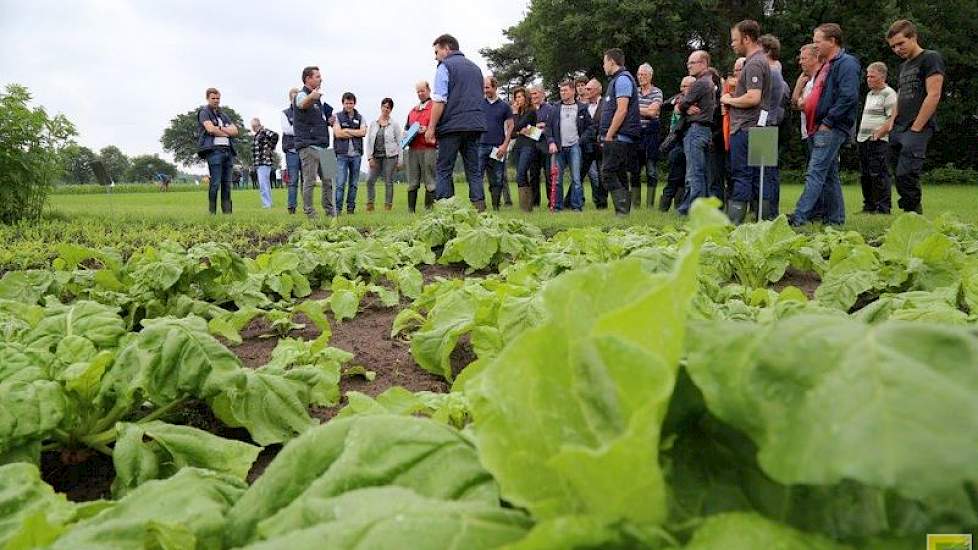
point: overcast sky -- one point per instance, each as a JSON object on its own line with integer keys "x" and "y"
{"x": 120, "y": 70}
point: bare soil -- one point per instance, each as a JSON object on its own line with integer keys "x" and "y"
{"x": 806, "y": 281}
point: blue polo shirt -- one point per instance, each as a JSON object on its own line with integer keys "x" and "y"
{"x": 497, "y": 113}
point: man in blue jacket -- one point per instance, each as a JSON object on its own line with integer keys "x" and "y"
{"x": 837, "y": 94}
{"x": 457, "y": 119}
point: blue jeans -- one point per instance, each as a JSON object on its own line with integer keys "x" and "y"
{"x": 347, "y": 174}
{"x": 822, "y": 179}
{"x": 570, "y": 158}
{"x": 747, "y": 179}
{"x": 696, "y": 147}
{"x": 450, "y": 145}
{"x": 219, "y": 164}
{"x": 493, "y": 167}
{"x": 265, "y": 185}
{"x": 294, "y": 165}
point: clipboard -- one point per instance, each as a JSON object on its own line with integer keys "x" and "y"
{"x": 409, "y": 136}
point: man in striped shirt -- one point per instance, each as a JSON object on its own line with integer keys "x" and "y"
{"x": 873, "y": 143}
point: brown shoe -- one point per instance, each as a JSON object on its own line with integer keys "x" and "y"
{"x": 526, "y": 199}
{"x": 388, "y": 207}
{"x": 370, "y": 207}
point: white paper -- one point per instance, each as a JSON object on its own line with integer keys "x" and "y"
{"x": 495, "y": 154}
{"x": 535, "y": 133}
{"x": 762, "y": 119}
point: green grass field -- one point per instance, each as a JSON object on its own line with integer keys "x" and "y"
{"x": 191, "y": 207}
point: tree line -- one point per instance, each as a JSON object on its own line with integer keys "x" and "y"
{"x": 560, "y": 39}
{"x": 77, "y": 161}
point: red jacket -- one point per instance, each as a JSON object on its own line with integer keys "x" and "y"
{"x": 422, "y": 117}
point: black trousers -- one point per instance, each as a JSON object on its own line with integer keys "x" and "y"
{"x": 616, "y": 162}
{"x": 875, "y": 175}
{"x": 539, "y": 161}
{"x": 909, "y": 152}
{"x": 675, "y": 189}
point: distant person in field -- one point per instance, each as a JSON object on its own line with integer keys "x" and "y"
{"x": 164, "y": 181}
{"x": 263, "y": 143}
{"x": 349, "y": 130}
{"x": 499, "y": 126}
{"x": 914, "y": 119}
{"x": 292, "y": 162}
{"x": 647, "y": 154}
{"x": 620, "y": 129}
{"x": 457, "y": 119}
{"x": 421, "y": 154}
{"x": 215, "y": 144}
{"x": 590, "y": 147}
{"x": 699, "y": 105}
{"x": 748, "y": 106}
{"x": 384, "y": 155}
{"x": 830, "y": 113}
{"x": 874, "y": 147}
{"x": 311, "y": 127}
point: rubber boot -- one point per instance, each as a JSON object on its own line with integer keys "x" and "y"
{"x": 496, "y": 197}
{"x": 429, "y": 199}
{"x": 622, "y": 199}
{"x": 526, "y": 199}
{"x": 767, "y": 209}
{"x": 650, "y": 197}
{"x": 636, "y": 192}
{"x": 226, "y": 206}
{"x": 212, "y": 206}
{"x": 664, "y": 203}
{"x": 412, "y": 200}
{"x": 507, "y": 200}
{"x": 736, "y": 211}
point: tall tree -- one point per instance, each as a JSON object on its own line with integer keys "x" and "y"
{"x": 115, "y": 161}
{"x": 76, "y": 162}
{"x": 180, "y": 138}
{"x": 145, "y": 167}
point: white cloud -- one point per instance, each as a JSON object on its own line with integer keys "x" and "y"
{"x": 121, "y": 70}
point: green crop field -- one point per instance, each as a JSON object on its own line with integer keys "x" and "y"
{"x": 468, "y": 380}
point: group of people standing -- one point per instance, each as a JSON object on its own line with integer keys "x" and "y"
{"x": 610, "y": 135}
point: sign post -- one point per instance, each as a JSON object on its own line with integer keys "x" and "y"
{"x": 762, "y": 151}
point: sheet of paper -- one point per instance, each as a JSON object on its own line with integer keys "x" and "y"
{"x": 495, "y": 154}
{"x": 535, "y": 133}
{"x": 762, "y": 119}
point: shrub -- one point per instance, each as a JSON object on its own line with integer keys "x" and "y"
{"x": 30, "y": 145}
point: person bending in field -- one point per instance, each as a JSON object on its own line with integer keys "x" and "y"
{"x": 215, "y": 144}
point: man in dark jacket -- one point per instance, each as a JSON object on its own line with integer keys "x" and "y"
{"x": 215, "y": 144}
{"x": 457, "y": 119}
{"x": 568, "y": 123}
{"x": 830, "y": 111}
{"x": 590, "y": 149}
{"x": 311, "y": 129}
{"x": 620, "y": 129}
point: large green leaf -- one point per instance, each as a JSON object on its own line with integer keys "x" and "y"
{"x": 156, "y": 450}
{"x": 27, "y": 503}
{"x": 190, "y": 506}
{"x": 93, "y": 321}
{"x": 744, "y": 531}
{"x": 345, "y": 454}
{"x": 567, "y": 416}
{"x": 380, "y": 518}
{"x": 890, "y": 405}
{"x": 433, "y": 343}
